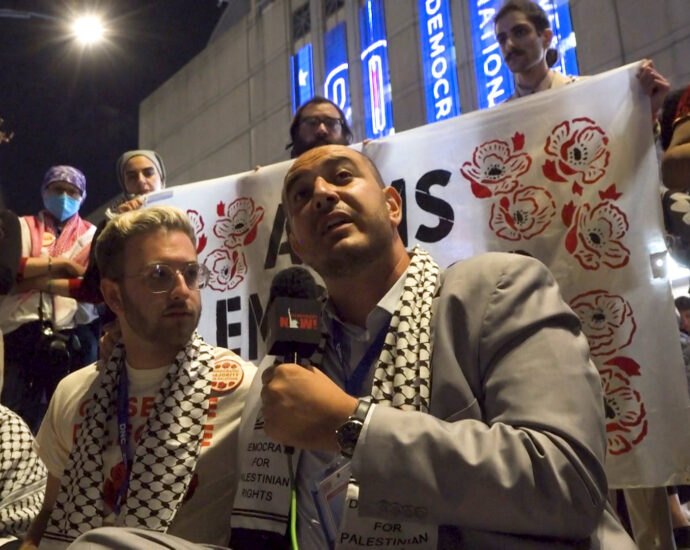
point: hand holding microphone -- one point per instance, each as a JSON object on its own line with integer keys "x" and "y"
{"x": 302, "y": 407}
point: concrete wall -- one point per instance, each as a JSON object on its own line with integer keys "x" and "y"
{"x": 226, "y": 110}
{"x": 229, "y": 109}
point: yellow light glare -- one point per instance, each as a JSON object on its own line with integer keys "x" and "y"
{"x": 88, "y": 29}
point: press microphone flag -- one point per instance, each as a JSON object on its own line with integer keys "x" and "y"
{"x": 293, "y": 315}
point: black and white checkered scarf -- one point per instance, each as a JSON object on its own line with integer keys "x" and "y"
{"x": 22, "y": 475}
{"x": 402, "y": 378}
{"x": 402, "y": 375}
{"x": 165, "y": 456}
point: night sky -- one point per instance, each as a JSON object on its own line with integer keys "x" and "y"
{"x": 69, "y": 105}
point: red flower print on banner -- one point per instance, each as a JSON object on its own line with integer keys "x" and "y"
{"x": 579, "y": 151}
{"x": 595, "y": 234}
{"x": 238, "y": 223}
{"x": 522, "y": 215}
{"x": 198, "y": 224}
{"x": 118, "y": 475}
{"x": 227, "y": 268}
{"x": 607, "y": 321}
{"x": 626, "y": 422}
{"x": 496, "y": 166}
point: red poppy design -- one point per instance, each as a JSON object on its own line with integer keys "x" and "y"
{"x": 607, "y": 321}
{"x": 595, "y": 234}
{"x": 228, "y": 269}
{"x": 626, "y": 422}
{"x": 523, "y": 214}
{"x": 239, "y": 222}
{"x": 118, "y": 476}
{"x": 579, "y": 152}
{"x": 198, "y": 225}
{"x": 496, "y": 167}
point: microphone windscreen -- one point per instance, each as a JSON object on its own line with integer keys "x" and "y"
{"x": 292, "y": 314}
{"x": 294, "y": 282}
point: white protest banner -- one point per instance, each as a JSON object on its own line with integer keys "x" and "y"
{"x": 569, "y": 176}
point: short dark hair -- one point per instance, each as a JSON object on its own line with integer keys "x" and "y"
{"x": 682, "y": 303}
{"x": 533, "y": 11}
{"x": 316, "y": 100}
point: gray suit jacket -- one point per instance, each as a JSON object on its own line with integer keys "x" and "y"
{"x": 512, "y": 453}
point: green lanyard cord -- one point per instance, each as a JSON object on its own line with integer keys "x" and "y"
{"x": 293, "y": 505}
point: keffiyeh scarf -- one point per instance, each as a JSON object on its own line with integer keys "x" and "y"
{"x": 402, "y": 378}
{"x": 66, "y": 243}
{"x": 22, "y": 475}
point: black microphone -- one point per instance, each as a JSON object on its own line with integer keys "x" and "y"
{"x": 293, "y": 312}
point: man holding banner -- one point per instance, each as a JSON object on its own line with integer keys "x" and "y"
{"x": 319, "y": 121}
{"x": 478, "y": 419}
{"x": 524, "y": 34}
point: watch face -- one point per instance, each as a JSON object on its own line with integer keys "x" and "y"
{"x": 346, "y": 436}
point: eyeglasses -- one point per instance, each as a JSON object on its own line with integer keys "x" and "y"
{"x": 160, "y": 278}
{"x": 331, "y": 124}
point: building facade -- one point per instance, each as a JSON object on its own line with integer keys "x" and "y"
{"x": 393, "y": 64}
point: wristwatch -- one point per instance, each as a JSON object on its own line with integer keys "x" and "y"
{"x": 347, "y": 435}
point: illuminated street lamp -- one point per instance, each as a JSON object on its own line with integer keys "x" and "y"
{"x": 87, "y": 29}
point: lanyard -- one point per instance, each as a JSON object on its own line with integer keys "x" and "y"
{"x": 353, "y": 384}
{"x": 123, "y": 430}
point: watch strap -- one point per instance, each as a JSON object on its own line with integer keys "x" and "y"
{"x": 363, "y": 406}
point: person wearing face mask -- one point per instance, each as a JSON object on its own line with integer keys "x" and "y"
{"x": 45, "y": 335}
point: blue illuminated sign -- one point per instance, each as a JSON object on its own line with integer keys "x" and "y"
{"x": 378, "y": 104}
{"x": 494, "y": 80}
{"x": 559, "y": 15}
{"x": 336, "y": 87}
{"x": 438, "y": 60}
{"x": 302, "y": 74}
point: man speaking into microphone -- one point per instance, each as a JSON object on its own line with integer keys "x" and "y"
{"x": 454, "y": 409}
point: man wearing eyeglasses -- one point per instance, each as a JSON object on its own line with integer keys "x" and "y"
{"x": 145, "y": 437}
{"x": 319, "y": 121}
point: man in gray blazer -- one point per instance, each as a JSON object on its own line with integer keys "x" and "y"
{"x": 476, "y": 421}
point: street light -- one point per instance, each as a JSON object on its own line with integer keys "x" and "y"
{"x": 87, "y": 29}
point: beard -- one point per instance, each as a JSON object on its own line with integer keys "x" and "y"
{"x": 350, "y": 260}
{"x": 158, "y": 330}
